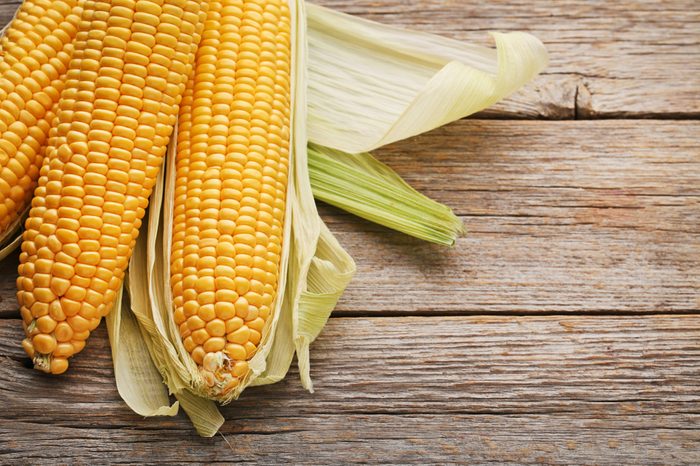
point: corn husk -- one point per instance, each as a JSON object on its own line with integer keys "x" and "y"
{"x": 11, "y": 238}
{"x": 364, "y": 186}
{"x": 372, "y": 84}
{"x": 352, "y": 108}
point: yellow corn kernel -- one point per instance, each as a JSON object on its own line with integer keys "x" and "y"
{"x": 240, "y": 368}
{"x": 28, "y": 347}
{"x": 44, "y": 343}
{"x": 46, "y": 324}
{"x": 214, "y": 344}
{"x": 234, "y": 351}
{"x": 64, "y": 350}
{"x": 58, "y": 366}
{"x": 239, "y": 336}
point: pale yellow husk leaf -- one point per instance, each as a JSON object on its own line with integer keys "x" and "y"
{"x": 9, "y": 242}
{"x": 372, "y": 84}
{"x": 130, "y": 368}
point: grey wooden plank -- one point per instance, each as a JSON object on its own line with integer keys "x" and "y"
{"x": 371, "y": 439}
{"x": 596, "y": 217}
{"x": 551, "y": 389}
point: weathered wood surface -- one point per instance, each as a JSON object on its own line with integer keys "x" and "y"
{"x": 526, "y": 390}
{"x": 598, "y": 216}
{"x": 607, "y": 58}
{"x": 590, "y": 228}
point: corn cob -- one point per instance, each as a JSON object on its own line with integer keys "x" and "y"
{"x": 36, "y": 50}
{"x": 116, "y": 114}
{"x": 231, "y": 182}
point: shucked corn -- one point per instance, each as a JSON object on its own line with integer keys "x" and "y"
{"x": 36, "y": 49}
{"x": 231, "y": 183}
{"x": 123, "y": 88}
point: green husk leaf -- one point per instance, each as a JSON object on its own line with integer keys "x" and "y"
{"x": 372, "y": 84}
{"x": 364, "y": 186}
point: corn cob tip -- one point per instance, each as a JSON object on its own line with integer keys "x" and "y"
{"x": 50, "y": 342}
{"x": 221, "y": 373}
{"x": 50, "y": 365}
{"x": 42, "y": 362}
{"x": 45, "y": 362}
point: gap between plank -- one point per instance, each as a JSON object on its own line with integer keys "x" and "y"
{"x": 558, "y": 314}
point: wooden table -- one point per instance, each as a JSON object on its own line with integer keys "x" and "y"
{"x": 564, "y": 329}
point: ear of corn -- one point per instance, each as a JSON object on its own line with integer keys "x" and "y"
{"x": 115, "y": 117}
{"x": 152, "y": 303}
{"x": 230, "y": 187}
{"x": 36, "y": 48}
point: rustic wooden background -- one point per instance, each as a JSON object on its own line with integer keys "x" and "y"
{"x": 564, "y": 329}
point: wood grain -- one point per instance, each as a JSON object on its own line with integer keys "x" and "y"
{"x": 369, "y": 439}
{"x": 607, "y": 59}
{"x": 588, "y": 229}
{"x": 524, "y": 390}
